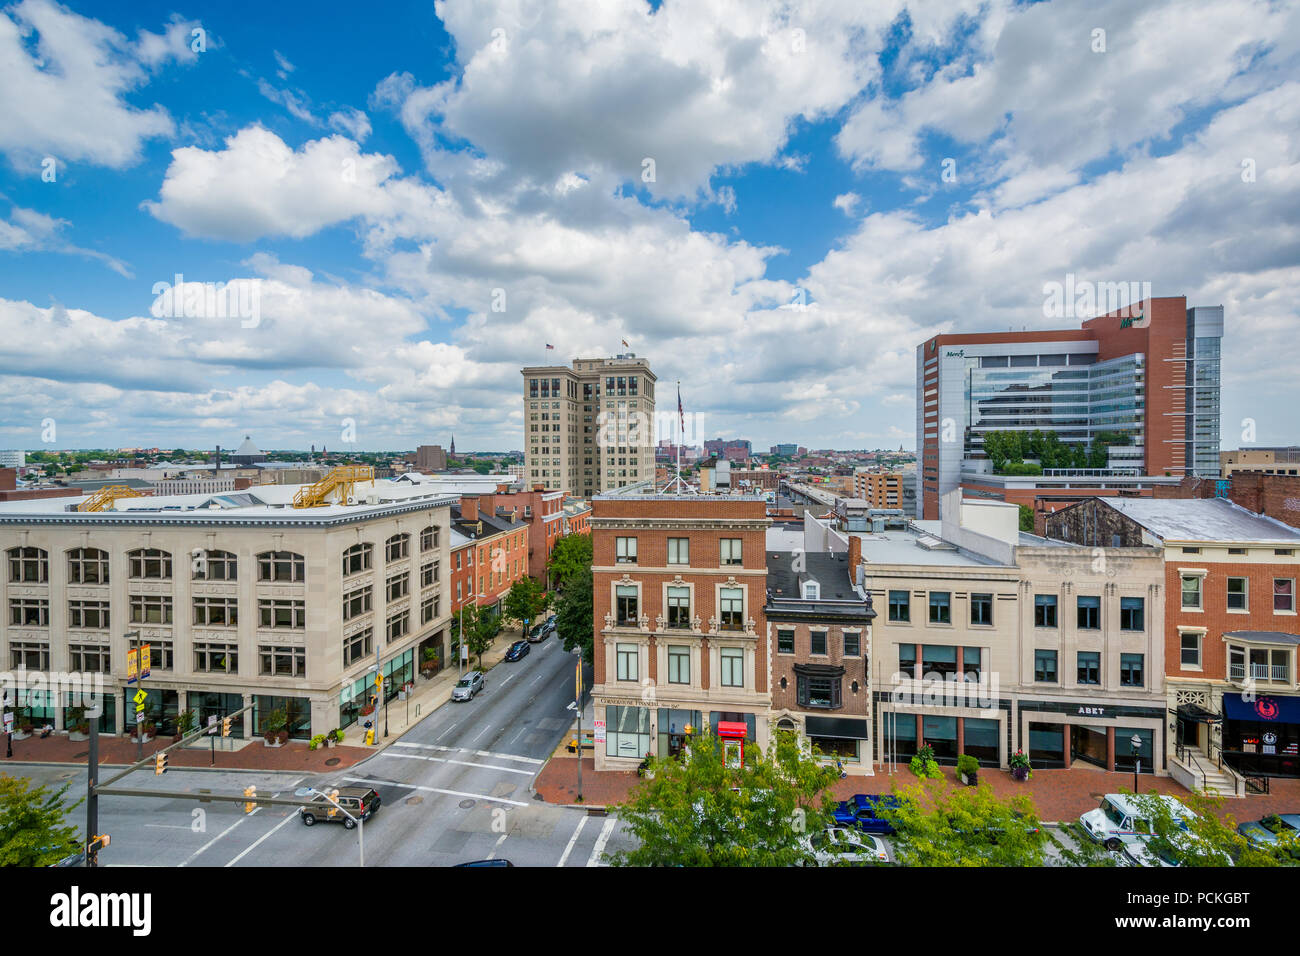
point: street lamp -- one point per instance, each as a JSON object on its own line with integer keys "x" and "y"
{"x": 1136, "y": 743}
{"x": 578, "y": 692}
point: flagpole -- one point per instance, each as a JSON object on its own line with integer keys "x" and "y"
{"x": 680, "y": 436}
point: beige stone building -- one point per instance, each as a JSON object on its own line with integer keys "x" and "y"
{"x": 590, "y": 428}
{"x": 242, "y": 598}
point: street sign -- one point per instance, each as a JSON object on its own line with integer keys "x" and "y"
{"x": 139, "y": 716}
{"x": 132, "y": 665}
{"x": 464, "y": 652}
{"x": 212, "y": 723}
{"x": 600, "y": 731}
{"x": 140, "y": 697}
{"x": 144, "y": 661}
{"x": 9, "y": 723}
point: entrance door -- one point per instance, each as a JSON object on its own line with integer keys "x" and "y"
{"x": 1189, "y": 733}
{"x": 1088, "y": 744}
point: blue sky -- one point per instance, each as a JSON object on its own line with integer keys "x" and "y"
{"x": 376, "y": 180}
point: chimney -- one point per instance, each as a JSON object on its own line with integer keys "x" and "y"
{"x": 487, "y": 505}
{"x": 218, "y": 461}
{"x": 855, "y": 556}
{"x": 468, "y": 508}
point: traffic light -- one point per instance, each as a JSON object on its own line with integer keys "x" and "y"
{"x": 159, "y": 763}
{"x": 333, "y": 811}
{"x": 225, "y": 726}
{"x": 250, "y": 792}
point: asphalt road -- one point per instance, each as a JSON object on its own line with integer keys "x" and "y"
{"x": 455, "y": 788}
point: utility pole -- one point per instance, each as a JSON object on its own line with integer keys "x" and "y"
{"x": 578, "y": 689}
{"x": 92, "y": 794}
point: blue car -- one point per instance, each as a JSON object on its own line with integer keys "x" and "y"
{"x": 517, "y": 650}
{"x": 860, "y": 811}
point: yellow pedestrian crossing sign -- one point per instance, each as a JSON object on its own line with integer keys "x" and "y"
{"x": 140, "y": 697}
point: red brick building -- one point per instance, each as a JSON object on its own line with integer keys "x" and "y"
{"x": 680, "y": 634}
{"x": 489, "y": 550}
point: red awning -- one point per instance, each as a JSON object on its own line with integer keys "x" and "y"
{"x": 732, "y": 729}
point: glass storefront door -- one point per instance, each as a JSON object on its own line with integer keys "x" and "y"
{"x": 672, "y": 729}
{"x": 1089, "y": 745}
{"x": 160, "y": 709}
{"x": 207, "y": 704}
{"x": 1046, "y": 745}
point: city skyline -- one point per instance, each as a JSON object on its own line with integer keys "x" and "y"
{"x": 807, "y": 194}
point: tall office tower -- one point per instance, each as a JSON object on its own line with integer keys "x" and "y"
{"x": 589, "y": 428}
{"x": 1142, "y": 381}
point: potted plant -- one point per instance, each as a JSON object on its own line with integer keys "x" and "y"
{"x": 330, "y": 737}
{"x": 924, "y": 765}
{"x": 429, "y": 666}
{"x": 1020, "y": 769}
{"x": 316, "y": 742}
{"x": 78, "y": 726}
{"x": 968, "y": 769}
{"x": 274, "y": 725}
{"x": 24, "y": 729}
{"x": 186, "y": 721}
{"x": 338, "y": 736}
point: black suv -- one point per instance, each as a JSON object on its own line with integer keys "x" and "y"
{"x": 361, "y": 802}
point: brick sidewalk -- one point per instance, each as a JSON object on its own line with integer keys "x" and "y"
{"x": 293, "y": 756}
{"x": 1059, "y": 795}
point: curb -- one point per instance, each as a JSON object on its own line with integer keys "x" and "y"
{"x": 170, "y": 769}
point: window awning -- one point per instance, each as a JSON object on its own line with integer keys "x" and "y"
{"x": 1265, "y": 707}
{"x": 836, "y": 727}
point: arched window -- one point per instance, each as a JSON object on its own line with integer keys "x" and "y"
{"x": 214, "y": 565}
{"x": 357, "y": 559}
{"x": 281, "y": 566}
{"x": 87, "y": 566}
{"x": 398, "y": 547}
{"x": 429, "y": 539}
{"x": 149, "y": 563}
{"x": 29, "y": 566}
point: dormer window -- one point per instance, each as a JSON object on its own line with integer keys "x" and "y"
{"x": 811, "y": 591}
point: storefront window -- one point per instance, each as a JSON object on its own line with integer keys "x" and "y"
{"x": 715, "y": 717}
{"x": 297, "y": 709}
{"x": 980, "y": 740}
{"x": 672, "y": 729}
{"x": 938, "y": 659}
{"x": 207, "y": 704}
{"x": 941, "y": 734}
{"x": 160, "y": 707}
{"x": 898, "y": 732}
{"x": 1047, "y": 745}
{"x": 627, "y": 732}
{"x": 89, "y": 708}
{"x": 1124, "y": 749}
{"x": 841, "y": 748}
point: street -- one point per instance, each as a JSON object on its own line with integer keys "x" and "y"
{"x": 454, "y": 789}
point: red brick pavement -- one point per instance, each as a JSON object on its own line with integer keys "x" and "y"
{"x": 293, "y": 756}
{"x": 1059, "y": 795}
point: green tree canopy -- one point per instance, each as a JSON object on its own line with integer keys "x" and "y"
{"x": 694, "y": 810}
{"x": 571, "y": 556}
{"x": 1205, "y": 840}
{"x": 526, "y": 602}
{"x": 968, "y": 826}
{"x": 573, "y": 615}
{"x": 32, "y": 827}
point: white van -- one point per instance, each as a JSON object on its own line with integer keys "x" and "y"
{"x": 1119, "y": 817}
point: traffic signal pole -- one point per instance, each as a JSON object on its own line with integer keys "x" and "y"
{"x": 92, "y": 793}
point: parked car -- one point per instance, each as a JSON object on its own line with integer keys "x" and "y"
{"x": 1138, "y": 850}
{"x": 486, "y": 863}
{"x": 361, "y": 802}
{"x": 1266, "y": 832}
{"x": 837, "y": 846}
{"x": 518, "y": 649}
{"x": 861, "y": 809}
{"x": 1120, "y": 816}
{"x": 467, "y": 686}
{"x": 993, "y": 834}
{"x": 542, "y": 631}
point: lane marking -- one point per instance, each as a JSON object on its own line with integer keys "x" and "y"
{"x": 582, "y": 822}
{"x": 485, "y": 729}
{"x": 258, "y": 842}
{"x": 492, "y": 855}
{"x": 450, "y": 793}
{"x": 207, "y": 845}
{"x": 463, "y": 763}
{"x": 599, "y": 848}
{"x": 509, "y": 679}
{"x": 477, "y": 753}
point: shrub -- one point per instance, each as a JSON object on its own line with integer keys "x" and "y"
{"x": 968, "y": 765}
{"x": 316, "y": 742}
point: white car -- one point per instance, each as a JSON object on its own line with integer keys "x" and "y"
{"x": 467, "y": 686}
{"x": 1120, "y": 817}
{"x": 836, "y": 846}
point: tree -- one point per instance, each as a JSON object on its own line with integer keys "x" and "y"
{"x": 479, "y": 627}
{"x": 526, "y": 602}
{"x": 1206, "y": 840}
{"x": 573, "y": 616}
{"x": 694, "y": 810}
{"x": 1027, "y": 518}
{"x": 570, "y": 556}
{"x": 32, "y": 828}
{"x": 968, "y": 826}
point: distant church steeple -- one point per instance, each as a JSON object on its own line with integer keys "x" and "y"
{"x": 453, "y": 446}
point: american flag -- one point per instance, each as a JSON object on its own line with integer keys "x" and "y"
{"x": 625, "y": 345}
{"x": 550, "y": 346}
{"x": 681, "y": 414}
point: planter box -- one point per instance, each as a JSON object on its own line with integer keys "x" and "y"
{"x": 19, "y": 735}
{"x": 1020, "y": 773}
{"x": 969, "y": 780}
{"x": 73, "y": 735}
{"x": 270, "y": 743}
